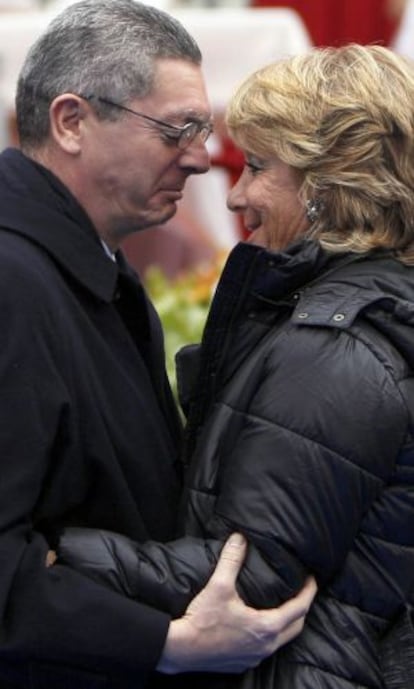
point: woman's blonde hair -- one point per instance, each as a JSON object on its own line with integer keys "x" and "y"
{"x": 345, "y": 118}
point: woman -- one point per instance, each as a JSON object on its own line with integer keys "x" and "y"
{"x": 301, "y": 416}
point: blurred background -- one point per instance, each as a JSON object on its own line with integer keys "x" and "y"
{"x": 180, "y": 261}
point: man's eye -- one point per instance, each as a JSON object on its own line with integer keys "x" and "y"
{"x": 170, "y": 136}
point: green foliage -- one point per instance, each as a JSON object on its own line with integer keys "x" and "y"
{"x": 182, "y": 304}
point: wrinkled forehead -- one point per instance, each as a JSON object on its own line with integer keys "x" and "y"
{"x": 179, "y": 88}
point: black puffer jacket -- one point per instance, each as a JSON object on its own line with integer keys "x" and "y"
{"x": 300, "y": 435}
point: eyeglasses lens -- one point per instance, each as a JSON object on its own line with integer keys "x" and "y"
{"x": 190, "y": 132}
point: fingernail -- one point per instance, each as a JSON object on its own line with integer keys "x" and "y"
{"x": 237, "y": 539}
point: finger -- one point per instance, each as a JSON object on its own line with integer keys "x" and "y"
{"x": 292, "y": 610}
{"x": 307, "y": 593}
{"x": 288, "y": 633}
{"x": 299, "y": 605}
{"x": 231, "y": 559}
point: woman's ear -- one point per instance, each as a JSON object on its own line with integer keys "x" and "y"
{"x": 66, "y": 112}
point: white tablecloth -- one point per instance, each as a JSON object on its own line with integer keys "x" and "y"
{"x": 235, "y": 42}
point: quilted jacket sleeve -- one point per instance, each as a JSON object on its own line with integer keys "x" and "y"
{"x": 166, "y": 576}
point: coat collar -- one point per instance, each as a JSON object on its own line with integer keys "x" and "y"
{"x": 36, "y": 205}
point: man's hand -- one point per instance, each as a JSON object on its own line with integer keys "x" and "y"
{"x": 219, "y": 633}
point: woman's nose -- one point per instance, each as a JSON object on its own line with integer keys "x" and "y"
{"x": 235, "y": 198}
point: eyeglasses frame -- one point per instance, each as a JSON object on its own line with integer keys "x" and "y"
{"x": 183, "y": 139}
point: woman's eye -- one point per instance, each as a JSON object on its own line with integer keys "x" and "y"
{"x": 254, "y": 168}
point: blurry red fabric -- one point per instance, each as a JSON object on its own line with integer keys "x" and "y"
{"x": 331, "y": 22}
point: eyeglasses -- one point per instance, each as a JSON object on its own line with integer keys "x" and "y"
{"x": 182, "y": 137}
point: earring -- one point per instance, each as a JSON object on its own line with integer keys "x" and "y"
{"x": 313, "y": 208}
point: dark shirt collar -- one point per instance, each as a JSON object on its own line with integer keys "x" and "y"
{"x": 34, "y": 203}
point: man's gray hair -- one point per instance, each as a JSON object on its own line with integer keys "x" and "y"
{"x": 107, "y": 48}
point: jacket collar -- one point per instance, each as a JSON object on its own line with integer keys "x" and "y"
{"x": 36, "y": 205}
{"x": 323, "y": 288}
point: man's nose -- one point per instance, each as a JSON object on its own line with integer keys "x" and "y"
{"x": 196, "y": 157}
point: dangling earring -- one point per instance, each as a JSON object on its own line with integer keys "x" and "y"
{"x": 313, "y": 208}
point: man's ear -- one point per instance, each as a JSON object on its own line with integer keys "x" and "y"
{"x": 66, "y": 113}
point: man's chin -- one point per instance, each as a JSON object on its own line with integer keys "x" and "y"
{"x": 157, "y": 218}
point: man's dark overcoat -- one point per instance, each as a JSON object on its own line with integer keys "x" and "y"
{"x": 89, "y": 435}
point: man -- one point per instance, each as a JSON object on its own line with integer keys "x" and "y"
{"x": 113, "y": 117}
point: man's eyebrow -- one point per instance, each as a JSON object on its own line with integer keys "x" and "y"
{"x": 190, "y": 116}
